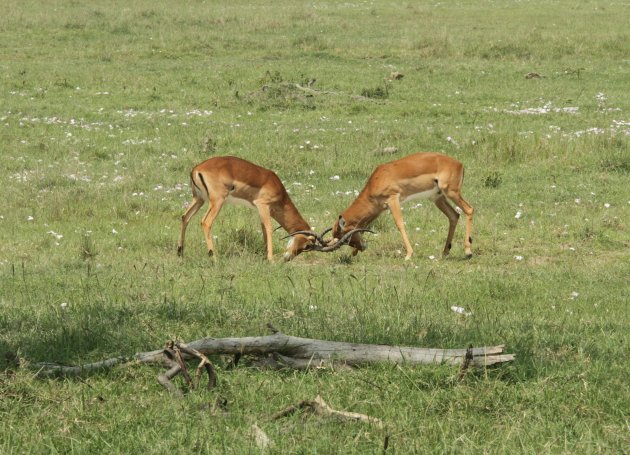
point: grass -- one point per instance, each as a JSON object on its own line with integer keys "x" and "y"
{"x": 106, "y": 108}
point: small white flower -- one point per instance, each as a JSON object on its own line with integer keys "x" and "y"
{"x": 64, "y": 305}
{"x": 29, "y": 218}
{"x": 518, "y": 215}
{"x": 55, "y": 234}
{"x": 432, "y": 257}
{"x": 578, "y": 200}
{"x": 460, "y": 310}
{"x": 335, "y": 177}
{"x": 312, "y": 307}
{"x": 518, "y": 258}
{"x": 574, "y": 295}
{"x": 607, "y": 205}
{"x": 451, "y": 140}
{"x": 114, "y": 231}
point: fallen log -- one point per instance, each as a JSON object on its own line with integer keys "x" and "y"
{"x": 301, "y": 350}
{"x": 284, "y": 351}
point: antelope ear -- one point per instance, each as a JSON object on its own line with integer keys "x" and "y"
{"x": 342, "y": 222}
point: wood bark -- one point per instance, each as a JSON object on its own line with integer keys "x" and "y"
{"x": 295, "y": 352}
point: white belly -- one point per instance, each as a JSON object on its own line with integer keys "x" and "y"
{"x": 430, "y": 194}
{"x": 236, "y": 201}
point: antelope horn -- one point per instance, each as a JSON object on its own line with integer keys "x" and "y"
{"x": 342, "y": 241}
{"x": 319, "y": 237}
{"x": 314, "y": 234}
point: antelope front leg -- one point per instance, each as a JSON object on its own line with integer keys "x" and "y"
{"x": 265, "y": 219}
{"x": 394, "y": 206}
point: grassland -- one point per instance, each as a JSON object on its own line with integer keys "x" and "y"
{"x": 106, "y": 106}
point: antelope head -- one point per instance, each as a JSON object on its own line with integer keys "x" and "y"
{"x": 333, "y": 244}
{"x": 299, "y": 242}
{"x": 354, "y": 239}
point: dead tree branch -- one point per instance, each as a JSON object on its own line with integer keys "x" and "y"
{"x": 282, "y": 351}
{"x": 319, "y": 407}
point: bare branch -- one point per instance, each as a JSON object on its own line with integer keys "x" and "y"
{"x": 165, "y": 380}
{"x": 289, "y": 351}
{"x": 319, "y": 407}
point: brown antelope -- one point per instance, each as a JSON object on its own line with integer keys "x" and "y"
{"x": 422, "y": 175}
{"x": 234, "y": 180}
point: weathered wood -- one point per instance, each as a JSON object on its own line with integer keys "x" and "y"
{"x": 165, "y": 379}
{"x": 319, "y": 407}
{"x": 349, "y": 353}
{"x": 296, "y": 352}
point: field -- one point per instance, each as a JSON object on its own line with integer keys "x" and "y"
{"x": 106, "y": 106}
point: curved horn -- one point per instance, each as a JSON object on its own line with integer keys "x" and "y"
{"x": 319, "y": 237}
{"x": 342, "y": 241}
{"x": 326, "y": 231}
{"x": 314, "y": 234}
{"x": 321, "y": 240}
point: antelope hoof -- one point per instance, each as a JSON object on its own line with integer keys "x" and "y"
{"x": 468, "y": 255}
{"x": 210, "y": 253}
{"x": 180, "y": 251}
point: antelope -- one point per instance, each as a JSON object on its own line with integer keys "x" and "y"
{"x": 422, "y": 175}
{"x": 228, "y": 179}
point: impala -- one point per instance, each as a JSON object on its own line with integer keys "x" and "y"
{"x": 422, "y": 175}
{"x": 234, "y": 180}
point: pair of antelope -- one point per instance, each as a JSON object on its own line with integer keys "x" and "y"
{"x": 421, "y": 175}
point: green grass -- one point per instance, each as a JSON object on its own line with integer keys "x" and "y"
{"x": 105, "y": 108}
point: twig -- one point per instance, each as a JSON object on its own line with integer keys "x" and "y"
{"x": 260, "y": 437}
{"x": 468, "y": 359}
{"x": 174, "y": 353}
{"x": 165, "y": 379}
{"x": 204, "y": 363}
{"x": 319, "y": 407}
